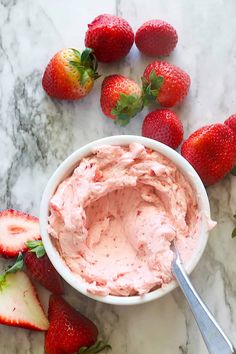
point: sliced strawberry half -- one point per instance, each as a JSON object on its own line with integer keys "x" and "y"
{"x": 19, "y": 304}
{"x": 16, "y": 228}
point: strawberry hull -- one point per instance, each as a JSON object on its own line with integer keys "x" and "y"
{"x": 121, "y": 98}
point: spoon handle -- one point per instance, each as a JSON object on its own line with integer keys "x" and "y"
{"x": 214, "y": 337}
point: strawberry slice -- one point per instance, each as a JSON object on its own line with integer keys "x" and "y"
{"x": 40, "y": 268}
{"x": 16, "y": 228}
{"x": 19, "y": 304}
{"x": 70, "y": 331}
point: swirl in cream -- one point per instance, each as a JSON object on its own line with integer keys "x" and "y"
{"x": 113, "y": 219}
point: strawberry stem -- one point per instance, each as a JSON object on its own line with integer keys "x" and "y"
{"x": 36, "y": 247}
{"x": 96, "y": 348}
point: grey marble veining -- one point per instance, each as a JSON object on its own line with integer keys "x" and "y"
{"x": 37, "y": 133}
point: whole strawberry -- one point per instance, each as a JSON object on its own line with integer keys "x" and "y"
{"x": 40, "y": 268}
{"x": 164, "y": 126}
{"x": 231, "y": 122}
{"x": 164, "y": 83}
{"x": 70, "y": 74}
{"x": 69, "y": 331}
{"x": 211, "y": 150}
{"x": 111, "y": 37}
{"x": 156, "y": 38}
{"x": 121, "y": 98}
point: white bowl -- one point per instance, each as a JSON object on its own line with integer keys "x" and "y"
{"x": 66, "y": 168}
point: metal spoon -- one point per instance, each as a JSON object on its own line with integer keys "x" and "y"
{"x": 215, "y": 339}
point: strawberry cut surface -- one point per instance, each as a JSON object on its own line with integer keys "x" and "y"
{"x": 16, "y": 228}
{"x": 19, "y": 304}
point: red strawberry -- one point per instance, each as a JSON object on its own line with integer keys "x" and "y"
{"x": 16, "y": 228}
{"x": 69, "y": 330}
{"x": 111, "y": 38}
{"x": 231, "y": 122}
{"x": 19, "y": 304}
{"x": 41, "y": 269}
{"x": 70, "y": 75}
{"x": 165, "y": 83}
{"x": 164, "y": 126}
{"x": 156, "y": 38}
{"x": 121, "y": 98}
{"x": 211, "y": 150}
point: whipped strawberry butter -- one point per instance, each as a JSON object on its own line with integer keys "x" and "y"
{"x": 113, "y": 219}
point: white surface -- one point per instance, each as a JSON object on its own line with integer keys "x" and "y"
{"x": 65, "y": 169}
{"x": 37, "y": 134}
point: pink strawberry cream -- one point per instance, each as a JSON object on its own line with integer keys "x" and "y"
{"x": 113, "y": 219}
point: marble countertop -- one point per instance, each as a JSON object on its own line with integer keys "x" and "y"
{"x": 37, "y": 133}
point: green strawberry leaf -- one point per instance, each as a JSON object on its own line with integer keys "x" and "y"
{"x": 86, "y": 65}
{"x": 40, "y": 252}
{"x": 36, "y": 247}
{"x": 152, "y": 76}
{"x": 126, "y": 108}
{"x": 122, "y": 121}
{"x": 77, "y": 65}
{"x": 233, "y": 171}
{"x": 151, "y": 87}
{"x": 234, "y": 233}
{"x": 96, "y": 348}
{"x": 155, "y": 80}
{"x": 84, "y": 77}
{"x": 18, "y": 265}
{"x": 76, "y": 52}
{"x": 85, "y": 56}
